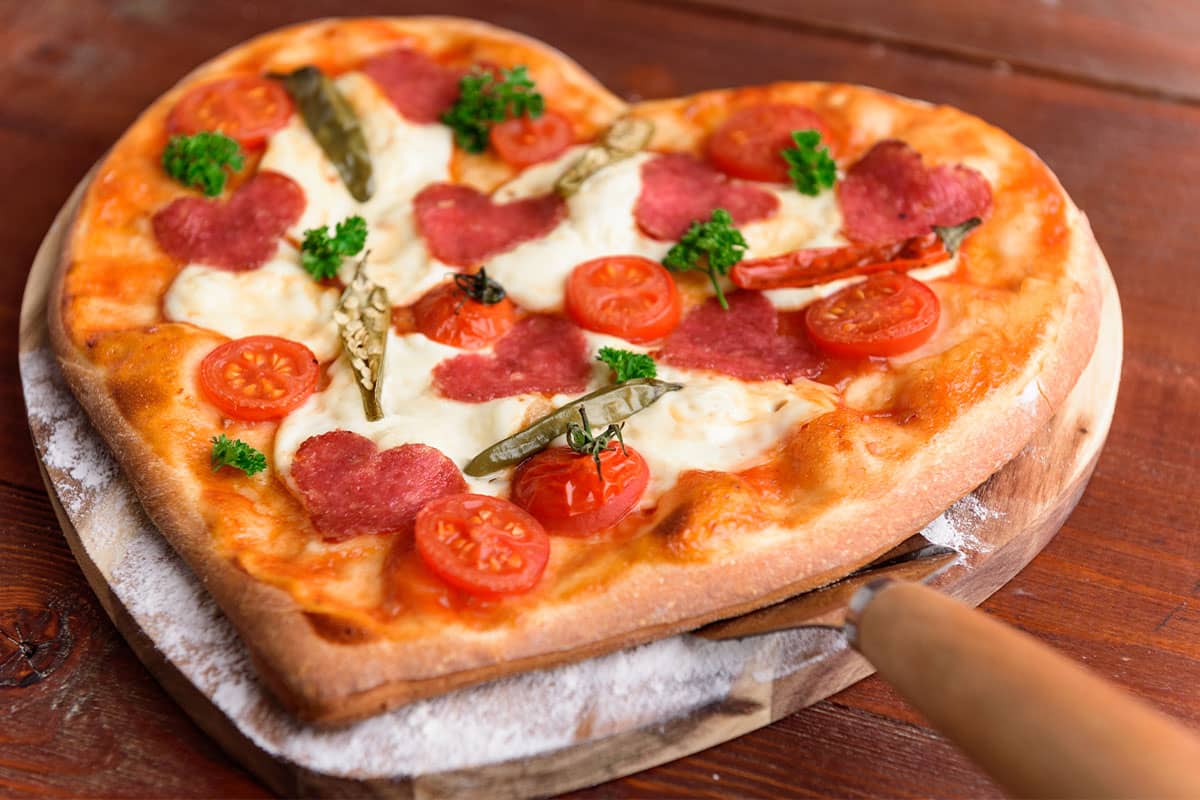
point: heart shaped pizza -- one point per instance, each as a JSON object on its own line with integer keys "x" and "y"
{"x": 436, "y": 361}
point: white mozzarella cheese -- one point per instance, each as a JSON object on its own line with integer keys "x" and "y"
{"x": 413, "y": 412}
{"x": 279, "y": 299}
{"x": 405, "y": 157}
{"x": 801, "y": 222}
{"x": 600, "y": 222}
{"x": 718, "y": 423}
{"x": 538, "y": 179}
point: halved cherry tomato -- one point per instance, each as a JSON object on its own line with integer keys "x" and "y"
{"x": 259, "y": 377}
{"x": 885, "y": 315}
{"x": 446, "y": 314}
{"x": 483, "y": 545}
{"x": 522, "y": 141}
{"x": 246, "y": 107}
{"x": 562, "y": 489}
{"x": 749, "y": 144}
{"x": 627, "y": 296}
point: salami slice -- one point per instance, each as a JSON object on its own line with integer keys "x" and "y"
{"x": 678, "y": 190}
{"x": 237, "y": 235}
{"x": 751, "y": 341}
{"x": 890, "y": 194}
{"x": 464, "y": 227}
{"x": 541, "y": 353}
{"x": 421, "y": 89}
{"x": 350, "y": 488}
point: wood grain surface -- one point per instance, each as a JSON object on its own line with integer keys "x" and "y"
{"x": 1118, "y": 589}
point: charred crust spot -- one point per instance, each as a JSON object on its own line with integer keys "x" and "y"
{"x": 338, "y": 630}
{"x": 674, "y": 524}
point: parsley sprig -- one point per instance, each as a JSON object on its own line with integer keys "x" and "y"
{"x": 712, "y": 247}
{"x": 484, "y": 101}
{"x": 581, "y": 439}
{"x": 626, "y": 365}
{"x": 321, "y": 254}
{"x": 235, "y": 453}
{"x": 200, "y": 160}
{"x": 810, "y": 166}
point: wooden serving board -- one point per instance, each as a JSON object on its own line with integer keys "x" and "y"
{"x": 533, "y": 734}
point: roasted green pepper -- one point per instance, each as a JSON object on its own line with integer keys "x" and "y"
{"x": 335, "y": 126}
{"x": 603, "y": 406}
{"x": 363, "y": 317}
{"x": 624, "y": 137}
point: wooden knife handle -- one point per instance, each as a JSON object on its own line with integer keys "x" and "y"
{"x": 1037, "y": 722}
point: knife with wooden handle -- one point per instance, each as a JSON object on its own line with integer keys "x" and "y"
{"x": 1040, "y": 724}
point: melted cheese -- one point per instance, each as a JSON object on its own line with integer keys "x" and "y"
{"x": 600, "y": 222}
{"x": 279, "y": 299}
{"x": 406, "y": 157}
{"x": 715, "y": 422}
{"x": 413, "y": 412}
{"x": 718, "y": 423}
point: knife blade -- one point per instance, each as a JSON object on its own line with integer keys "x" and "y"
{"x": 915, "y": 559}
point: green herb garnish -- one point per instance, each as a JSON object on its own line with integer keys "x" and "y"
{"x": 200, "y": 160}
{"x": 581, "y": 439}
{"x": 627, "y": 365}
{"x": 810, "y": 166}
{"x": 321, "y": 254}
{"x": 484, "y": 101}
{"x": 712, "y": 247}
{"x": 235, "y": 453}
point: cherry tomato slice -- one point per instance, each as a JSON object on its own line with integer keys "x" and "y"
{"x": 562, "y": 490}
{"x": 749, "y": 143}
{"x": 627, "y": 296}
{"x": 483, "y": 545}
{"x": 247, "y": 108}
{"x": 522, "y": 141}
{"x": 446, "y": 314}
{"x": 885, "y": 315}
{"x": 259, "y": 377}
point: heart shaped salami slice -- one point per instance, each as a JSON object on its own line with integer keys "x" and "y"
{"x": 462, "y": 226}
{"x": 239, "y": 234}
{"x": 540, "y": 354}
{"x": 678, "y": 190}
{"x": 349, "y": 487}
{"x": 751, "y": 341}
{"x": 890, "y": 194}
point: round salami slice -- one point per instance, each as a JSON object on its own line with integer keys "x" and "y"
{"x": 751, "y": 341}
{"x": 541, "y": 353}
{"x": 237, "y": 235}
{"x": 349, "y": 487}
{"x": 463, "y": 227}
{"x": 678, "y": 190}
{"x": 421, "y": 89}
{"x": 890, "y": 194}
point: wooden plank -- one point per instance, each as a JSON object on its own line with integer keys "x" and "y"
{"x": 74, "y": 73}
{"x": 1144, "y": 47}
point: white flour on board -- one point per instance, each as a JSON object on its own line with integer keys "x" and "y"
{"x": 511, "y": 718}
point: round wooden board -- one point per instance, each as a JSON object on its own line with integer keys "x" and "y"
{"x": 624, "y": 712}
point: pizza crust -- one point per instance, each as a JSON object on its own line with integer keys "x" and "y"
{"x": 329, "y": 672}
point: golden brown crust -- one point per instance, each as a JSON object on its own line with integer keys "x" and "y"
{"x": 846, "y": 486}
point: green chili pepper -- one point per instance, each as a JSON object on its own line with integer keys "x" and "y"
{"x": 603, "y": 407}
{"x": 335, "y": 126}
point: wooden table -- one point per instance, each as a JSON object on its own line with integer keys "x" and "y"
{"x": 1107, "y": 93}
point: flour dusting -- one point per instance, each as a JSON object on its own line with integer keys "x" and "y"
{"x": 67, "y": 440}
{"x": 956, "y": 527}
